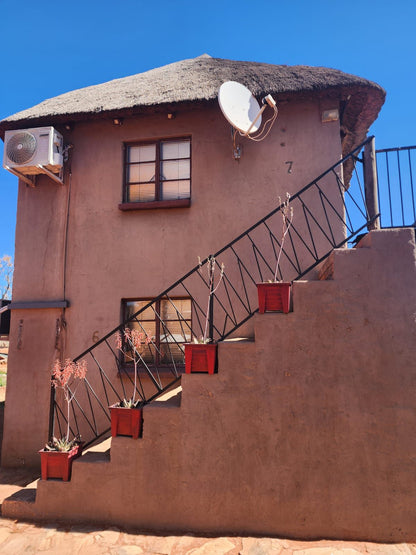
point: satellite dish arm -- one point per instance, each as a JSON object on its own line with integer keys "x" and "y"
{"x": 269, "y": 123}
{"x": 254, "y": 121}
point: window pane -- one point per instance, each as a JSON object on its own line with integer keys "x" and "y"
{"x": 169, "y": 309}
{"x": 175, "y": 189}
{"x": 185, "y": 307}
{"x": 144, "y": 350}
{"x": 147, "y": 329}
{"x": 133, "y": 306}
{"x": 141, "y": 193}
{"x": 177, "y": 149}
{"x": 143, "y": 153}
{"x": 175, "y": 332}
{"x": 142, "y": 173}
{"x": 178, "y": 169}
{"x": 147, "y": 350}
{"x": 171, "y": 352}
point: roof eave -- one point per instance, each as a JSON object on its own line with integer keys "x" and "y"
{"x": 362, "y": 104}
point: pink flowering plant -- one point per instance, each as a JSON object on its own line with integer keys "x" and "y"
{"x": 66, "y": 376}
{"x": 132, "y": 344}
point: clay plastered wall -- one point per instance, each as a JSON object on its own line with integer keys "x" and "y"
{"x": 344, "y": 376}
{"x": 151, "y": 249}
{"x": 112, "y": 254}
{"x": 306, "y": 432}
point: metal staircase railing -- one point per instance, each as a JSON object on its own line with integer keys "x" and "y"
{"x": 327, "y": 214}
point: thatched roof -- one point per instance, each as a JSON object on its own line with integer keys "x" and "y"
{"x": 198, "y": 80}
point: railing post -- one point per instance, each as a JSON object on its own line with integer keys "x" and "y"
{"x": 370, "y": 184}
{"x": 211, "y": 306}
{"x": 52, "y": 413}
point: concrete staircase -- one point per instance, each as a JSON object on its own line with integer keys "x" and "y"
{"x": 306, "y": 431}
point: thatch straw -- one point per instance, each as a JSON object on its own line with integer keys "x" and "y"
{"x": 198, "y": 80}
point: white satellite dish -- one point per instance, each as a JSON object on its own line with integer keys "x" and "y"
{"x": 242, "y": 110}
{"x": 239, "y": 107}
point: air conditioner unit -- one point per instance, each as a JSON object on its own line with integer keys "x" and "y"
{"x": 31, "y": 151}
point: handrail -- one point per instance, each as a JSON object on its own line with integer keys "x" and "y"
{"x": 396, "y": 187}
{"x": 328, "y": 213}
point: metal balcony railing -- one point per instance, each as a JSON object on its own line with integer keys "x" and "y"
{"x": 327, "y": 213}
{"x": 396, "y": 187}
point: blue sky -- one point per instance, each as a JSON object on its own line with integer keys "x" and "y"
{"x": 49, "y": 48}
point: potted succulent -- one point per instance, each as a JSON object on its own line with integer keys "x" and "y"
{"x": 201, "y": 354}
{"x": 274, "y": 295}
{"x": 58, "y": 454}
{"x": 127, "y": 415}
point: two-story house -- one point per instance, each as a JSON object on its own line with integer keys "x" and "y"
{"x": 150, "y": 181}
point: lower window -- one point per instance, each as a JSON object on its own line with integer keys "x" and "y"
{"x": 167, "y": 322}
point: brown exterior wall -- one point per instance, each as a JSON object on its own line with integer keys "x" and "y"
{"x": 306, "y": 432}
{"x": 113, "y": 255}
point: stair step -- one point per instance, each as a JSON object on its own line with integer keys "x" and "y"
{"x": 21, "y": 504}
{"x": 171, "y": 398}
{"x": 239, "y": 340}
{"x": 344, "y": 264}
{"x": 100, "y": 445}
{"x": 93, "y": 457}
{"x": 25, "y": 495}
{"x": 326, "y": 268}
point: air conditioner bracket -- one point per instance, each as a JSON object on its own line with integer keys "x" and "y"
{"x": 25, "y": 178}
{"x": 50, "y": 174}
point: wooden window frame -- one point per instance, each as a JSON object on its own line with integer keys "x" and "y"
{"x": 156, "y": 363}
{"x": 159, "y": 201}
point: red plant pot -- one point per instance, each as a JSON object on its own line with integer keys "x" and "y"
{"x": 126, "y": 421}
{"x": 200, "y": 357}
{"x": 58, "y": 464}
{"x": 274, "y": 297}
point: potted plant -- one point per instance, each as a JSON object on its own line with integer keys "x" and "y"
{"x": 201, "y": 354}
{"x": 58, "y": 454}
{"x": 274, "y": 295}
{"x": 127, "y": 415}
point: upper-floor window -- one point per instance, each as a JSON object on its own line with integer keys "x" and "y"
{"x": 157, "y": 172}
